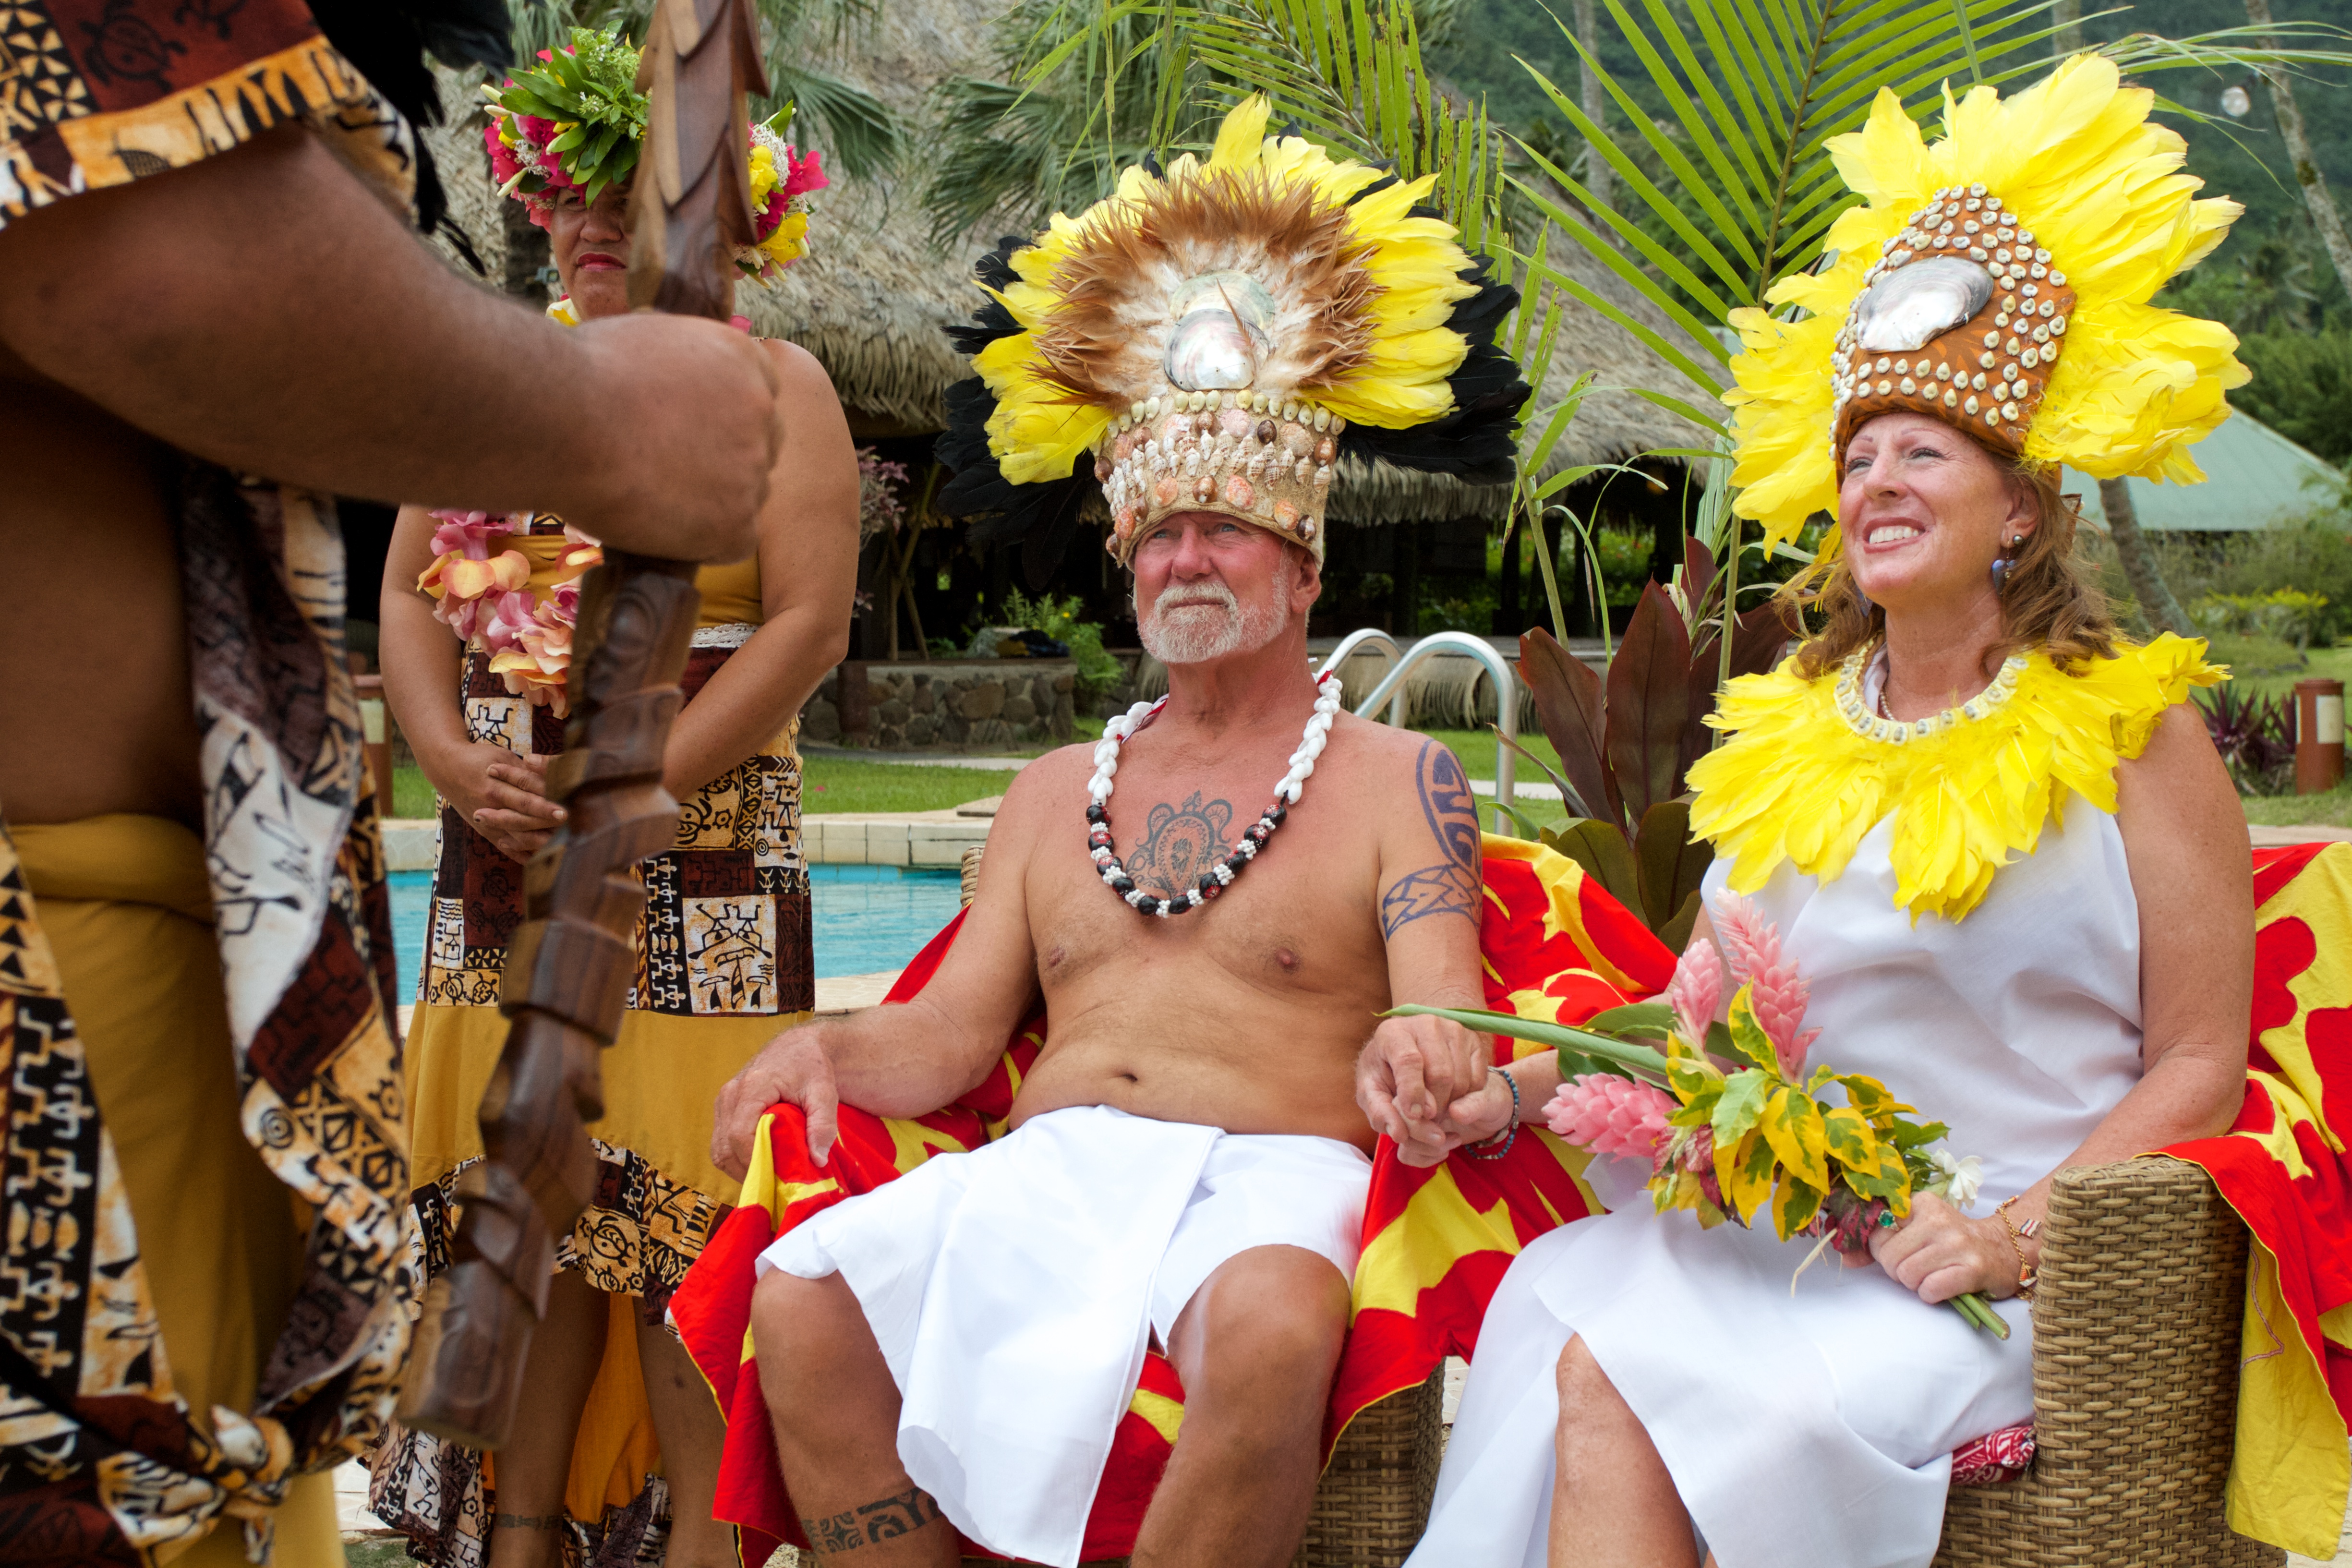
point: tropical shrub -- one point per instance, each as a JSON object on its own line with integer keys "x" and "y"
{"x": 2302, "y": 388}
{"x": 2255, "y": 736}
{"x": 1099, "y": 673}
{"x": 2282, "y": 614}
{"x": 2313, "y": 559}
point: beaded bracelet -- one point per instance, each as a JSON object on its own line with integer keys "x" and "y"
{"x": 1482, "y": 1149}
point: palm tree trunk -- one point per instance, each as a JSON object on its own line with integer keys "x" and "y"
{"x": 1598, "y": 176}
{"x": 2066, "y": 20}
{"x": 2324, "y": 216}
{"x": 2149, "y": 587}
{"x": 2156, "y": 600}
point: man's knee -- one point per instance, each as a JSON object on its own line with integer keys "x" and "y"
{"x": 1270, "y": 1321}
{"x": 1590, "y": 1404}
{"x": 799, "y": 1326}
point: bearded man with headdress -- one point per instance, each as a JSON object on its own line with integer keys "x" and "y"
{"x": 1187, "y": 1162}
{"x": 212, "y": 314}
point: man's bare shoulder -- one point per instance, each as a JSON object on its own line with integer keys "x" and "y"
{"x": 1402, "y": 766}
{"x": 1050, "y": 782}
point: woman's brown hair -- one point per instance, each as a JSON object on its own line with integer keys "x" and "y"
{"x": 2049, "y": 601}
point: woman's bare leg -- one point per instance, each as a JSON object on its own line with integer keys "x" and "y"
{"x": 1612, "y": 1503}
{"x": 687, "y": 1420}
{"x": 536, "y": 1460}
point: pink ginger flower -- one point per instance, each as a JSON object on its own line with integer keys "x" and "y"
{"x": 1776, "y": 990}
{"x": 1611, "y": 1115}
{"x": 1743, "y": 932}
{"x": 1695, "y": 992}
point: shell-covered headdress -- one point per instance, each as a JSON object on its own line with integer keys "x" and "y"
{"x": 1217, "y": 336}
{"x": 1998, "y": 280}
{"x": 576, "y": 121}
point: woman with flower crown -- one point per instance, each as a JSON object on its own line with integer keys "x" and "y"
{"x": 616, "y": 1441}
{"x": 1995, "y": 836}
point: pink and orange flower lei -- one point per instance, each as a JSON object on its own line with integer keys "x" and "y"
{"x": 485, "y": 599}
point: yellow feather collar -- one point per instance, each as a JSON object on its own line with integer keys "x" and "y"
{"x": 1809, "y": 771}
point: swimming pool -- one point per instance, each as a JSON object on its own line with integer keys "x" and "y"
{"x": 868, "y": 918}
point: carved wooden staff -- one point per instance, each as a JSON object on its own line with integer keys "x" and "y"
{"x": 573, "y": 959}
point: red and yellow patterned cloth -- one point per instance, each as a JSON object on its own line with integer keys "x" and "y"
{"x": 1437, "y": 1241}
{"x": 100, "y": 92}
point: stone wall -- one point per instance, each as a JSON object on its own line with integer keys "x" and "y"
{"x": 950, "y": 704}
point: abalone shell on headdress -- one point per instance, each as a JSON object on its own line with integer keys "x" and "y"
{"x": 1909, "y": 307}
{"x": 1962, "y": 318}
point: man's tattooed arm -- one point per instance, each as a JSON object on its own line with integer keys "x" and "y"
{"x": 867, "y": 1523}
{"x": 1451, "y": 886}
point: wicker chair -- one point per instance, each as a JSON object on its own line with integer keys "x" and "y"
{"x": 2136, "y": 1326}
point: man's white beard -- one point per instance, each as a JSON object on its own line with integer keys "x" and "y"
{"x": 1199, "y": 633}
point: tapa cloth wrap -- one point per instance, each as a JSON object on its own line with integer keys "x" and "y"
{"x": 723, "y": 962}
{"x": 1014, "y": 1291}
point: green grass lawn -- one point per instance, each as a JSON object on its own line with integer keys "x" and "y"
{"x": 831, "y": 783}
{"x": 2333, "y": 809}
{"x": 412, "y": 796}
{"x": 2326, "y": 663}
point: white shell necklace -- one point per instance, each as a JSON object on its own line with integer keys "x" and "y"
{"x": 1245, "y": 849}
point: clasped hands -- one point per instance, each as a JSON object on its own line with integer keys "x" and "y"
{"x": 502, "y": 795}
{"x": 1424, "y": 1083}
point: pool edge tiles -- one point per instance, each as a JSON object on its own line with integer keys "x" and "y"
{"x": 927, "y": 838}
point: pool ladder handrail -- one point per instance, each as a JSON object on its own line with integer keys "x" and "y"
{"x": 1390, "y": 689}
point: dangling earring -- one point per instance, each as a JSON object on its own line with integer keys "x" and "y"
{"x": 2002, "y": 562}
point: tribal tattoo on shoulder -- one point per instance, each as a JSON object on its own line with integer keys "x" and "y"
{"x": 871, "y": 1523}
{"x": 1451, "y": 886}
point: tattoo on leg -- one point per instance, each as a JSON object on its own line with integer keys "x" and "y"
{"x": 1451, "y": 886}
{"x": 884, "y": 1519}
{"x": 528, "y": 1521}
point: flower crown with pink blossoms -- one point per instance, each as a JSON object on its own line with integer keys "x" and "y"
{"x": 576, "y": 120}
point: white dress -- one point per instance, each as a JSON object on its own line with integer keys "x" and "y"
{"x": 1815, "y": 1431}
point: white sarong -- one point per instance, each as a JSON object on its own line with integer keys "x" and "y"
{"x": 1013, "y": 1291}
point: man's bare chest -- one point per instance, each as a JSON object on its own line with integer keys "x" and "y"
{"x": 1302, "y": 913}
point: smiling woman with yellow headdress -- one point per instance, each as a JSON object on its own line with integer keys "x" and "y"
{"x": 1994, "y": 837}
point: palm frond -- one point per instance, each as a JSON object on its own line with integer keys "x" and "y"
{"x": 1752, "y": 91}
{"x": 859, "y": 133}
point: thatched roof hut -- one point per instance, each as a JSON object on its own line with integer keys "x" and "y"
{"x": 873, "y": 297}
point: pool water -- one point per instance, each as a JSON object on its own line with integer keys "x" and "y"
{"x": 868, "y": 918}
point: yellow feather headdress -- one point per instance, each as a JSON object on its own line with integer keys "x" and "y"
{"x": 1999, "y": 280}
{"x": 1216, "y": 336}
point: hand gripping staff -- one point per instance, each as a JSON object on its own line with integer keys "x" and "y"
{"x": 570, "y": 962}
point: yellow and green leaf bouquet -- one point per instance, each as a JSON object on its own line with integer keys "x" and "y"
{"x": 1731, "y": 1123}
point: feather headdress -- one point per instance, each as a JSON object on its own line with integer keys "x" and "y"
{"x": 1215, "y": 337}
{"x": 1998, "y": 280}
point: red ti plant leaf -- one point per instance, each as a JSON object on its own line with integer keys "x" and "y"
{"x": 1568, "y": 705}
{"x": 1698, "y": 569}
{"x": 1756, "y": 647}
{"x": 1648, "y": 703}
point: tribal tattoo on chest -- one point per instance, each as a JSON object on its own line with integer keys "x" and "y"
{"x": 1451, "y": 886}
{"x": 1179, "y": 843}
